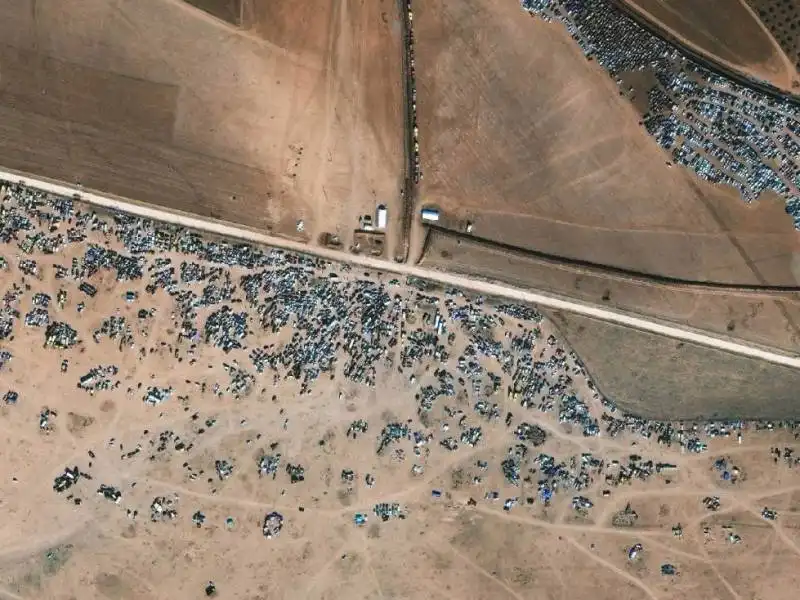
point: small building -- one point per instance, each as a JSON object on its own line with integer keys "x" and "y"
{"x": 365, "y": 223}
{"x": 381, "y": 216}
{"x": 88, "y": 289}
{"x": 87, "y": 381}
{"x": 430, "y": 215}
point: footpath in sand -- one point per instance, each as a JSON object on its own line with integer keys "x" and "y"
{"x": 183, "y": 416}
{"x": 294, "y": 115}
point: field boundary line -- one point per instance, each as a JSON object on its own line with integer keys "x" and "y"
{"x": 623, "y": 274}
{"x": 486, "y": 288}
{"x": 703, "y": 58}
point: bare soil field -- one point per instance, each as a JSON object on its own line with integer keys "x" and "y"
{"x": 158, "y": 101}
{"x": 771, "y": 320}
{"x": 727, "y": 31}
{"x": 523, "y": 136}
{"x": 227, "y": 10}
{"x": 153, "y": 454}
{"x": 782, "y": 19}
{"x": 658, "y": 377}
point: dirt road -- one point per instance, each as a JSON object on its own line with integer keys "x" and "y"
{"x": 481, "y": 287}
{"x": 235, "y": 439}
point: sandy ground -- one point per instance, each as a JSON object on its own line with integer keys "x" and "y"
{"x": 461, "y": 543}
{"x": 729, "y": 32}
{"x": 647, "y": 373}
{"x": 771, "y": 320}
{"x": 522, "y": 135}
{"x": 162, "y": 102}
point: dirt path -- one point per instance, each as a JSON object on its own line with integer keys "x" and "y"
{"x": 482, "y": 287}
{"x": 480, "y": 570}
{"x": 614, "y": 569}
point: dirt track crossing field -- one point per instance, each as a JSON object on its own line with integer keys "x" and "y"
{"x": 729, "y": 32}
{"x": 559, "y": 162}
{"x": 486, "y": 477}
{"x": 186, "y": 413}
{"x": 768, "y": 319}
{"x": 487, "y": 288}
{"x": 259, "y": 125}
